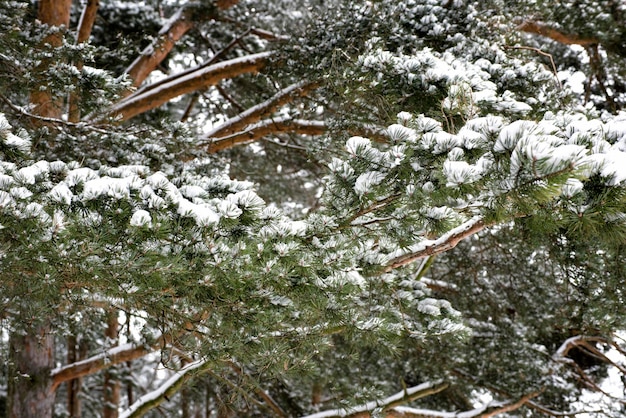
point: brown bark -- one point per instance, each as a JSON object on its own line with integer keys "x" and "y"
{"x": 111, "y": 388}
{"x": 97, "y": 363}
{"x": 262, "y": 110}
{"x": 154, "y": 54}
{"x": 175, "y": 86}
{"x": 564, "y": 38}
{"x": 178, "y": 25}
{"x": 266, "y": 128}
{"x": 76, "y": 350}
{"x": 30, "y": 387}
{"x": 51, "y": 13}
{"x": 87, "y": 19}
{"x": 85, "y": 25}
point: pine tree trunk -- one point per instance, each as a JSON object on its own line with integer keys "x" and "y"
{"x": 111, "y": 380}
{"x": 30, "y": 385}
{"x": 52, "y": 13}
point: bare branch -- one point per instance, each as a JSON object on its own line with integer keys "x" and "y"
{"x": 446, "y": 242}
{"x": 85, "y": 25}
{"x": 175, "y": 86}
{"x": 267, "y": 127}
{"x": 564, "y": 38}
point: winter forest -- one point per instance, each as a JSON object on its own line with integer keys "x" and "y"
{"x": 312, "y": 208}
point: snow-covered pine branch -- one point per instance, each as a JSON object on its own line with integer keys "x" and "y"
{"x": 430, "y": 188}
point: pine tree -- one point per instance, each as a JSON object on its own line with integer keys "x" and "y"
{"x": 422, "y": 208}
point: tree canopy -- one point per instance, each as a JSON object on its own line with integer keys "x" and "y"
{"x": 312, "y": 208}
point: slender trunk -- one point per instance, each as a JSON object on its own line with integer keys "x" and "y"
{"x": 30, "y": 384}
{"x": 85, "y": 25}
{"x": 111, "y": 380}
{"x": 76, "y": 351}
{"x": 74, "y": 385}
{"x": 130, "y": 395}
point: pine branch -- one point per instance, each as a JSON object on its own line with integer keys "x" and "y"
{"x": 446, "y": 242}
{"x": 175, "y": 28}
{"x": 168, "y": 388}
{"x": 264, "y": 128}
{"x": 556, "y": 35}
{"x": 487, "y": 411}
{"x": 387, "y": 404}
{"x": 175, "y": 86}
{"x": 94, "y": 364}
{"x": 185, "y": 73}
{"x": 256, "y": 113}
{"x": 260, "y": 392}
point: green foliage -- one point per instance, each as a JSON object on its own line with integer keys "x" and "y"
{"x": 295, "y": 279}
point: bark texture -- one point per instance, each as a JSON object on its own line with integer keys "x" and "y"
{"x": 111, "y": 381}
{"x": 51, "y": 13}
{"x": 30, "y": 388}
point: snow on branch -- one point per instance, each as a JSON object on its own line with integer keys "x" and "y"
{"x": 94, "y": 364}
{"x": 267, "y": 127}
{"x": 489, "y": 410}
{"x": 174, "y": 86}
{"x": 175, "y": 28}
{"x": 446, "y": 242}
{"x": 387, "y": 404}
{"x": 264, "y": 109}
{"x": 169, "y": 387}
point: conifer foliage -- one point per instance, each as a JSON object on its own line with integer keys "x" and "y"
{"x": 300, "y": 208}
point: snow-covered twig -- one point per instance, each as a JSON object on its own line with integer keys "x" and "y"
{"x": 442, "y": 244}
{"x": 407, "y": 395}
{"x": 154, "y": 398}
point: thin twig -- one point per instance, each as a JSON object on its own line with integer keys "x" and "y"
{"x": 545, "y": 54}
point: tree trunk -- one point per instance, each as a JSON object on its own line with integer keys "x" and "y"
{"x": 52, "y": 13}
{"x": 111, "y": 380}
{"x": 73, "y": 386}
{"x": 30, "y": 384}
